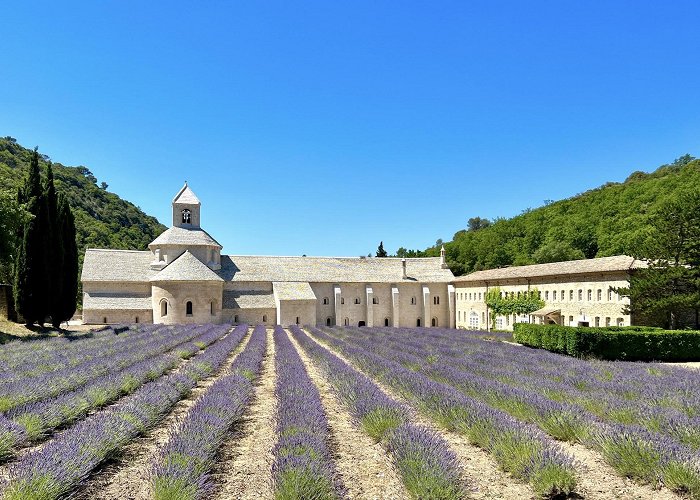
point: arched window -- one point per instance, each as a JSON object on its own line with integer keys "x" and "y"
{"x": 436, "y": 300}
{"x": 235, "y": 318}
{"x": 186, "y": 216}
{"x": 297, "y": 320}
{"x": 346, "y": 322}
{"x": 434, "y": 322}
{"x": 328, "y": 321}
{"x": 264, "y": 318}
{"x": 137, "y": 319}
{"x": 357, "y": 300}
{"x": 188, "y": 308}
{"x": 342, "y": 300}
{"x": 413, "y": 301}
{"x": 418, "y": 322}
{"x": 104, "y": 320}
{"x": 163, "y": 307}
{"x": 386, "y": 321}
{"x": 325, "y": 300}
{"x": 211, "y": 308}
{"x": 375, "y": 300}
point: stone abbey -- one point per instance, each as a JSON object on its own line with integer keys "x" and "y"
{"x": 184, "y": 278}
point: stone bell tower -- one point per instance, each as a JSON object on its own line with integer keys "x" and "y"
{"x": 186, "y": 209}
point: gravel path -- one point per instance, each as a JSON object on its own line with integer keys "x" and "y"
{"x": 126, "y": 477}
{"x": 365, "y": 468}
{"x": 245, "y": 460}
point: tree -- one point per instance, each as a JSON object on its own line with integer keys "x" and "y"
{"x": 667, "y": 291}
{"x": 31, "y": 264}
{"x": 53, "y": 249}
{"x": 476, "y": 223}
{"x": 380, "y": 250}
{"x": 12, "y": 219}
{"x": 522, "y": 303}
{"x": 69, "y": 266}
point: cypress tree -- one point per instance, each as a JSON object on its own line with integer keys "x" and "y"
{"x": 30, "y": 268}
{"x": 54, "y": 250}
{"x": 69, "y": 265}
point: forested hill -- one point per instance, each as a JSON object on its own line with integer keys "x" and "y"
{"x": 609, "y": 220}
{"x": 102, "y": 219}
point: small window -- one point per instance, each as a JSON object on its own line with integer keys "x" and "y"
{"x": 620, "y": 322}
{"x": 104, "y": 320}
{"x": 483, "y": 317}
{"x": 580, "y": 295}
{"x": 413, "y": 301}
{"x": 571, "y": 318}
{"x": 297, "y": 320}
{"x": 186, "y": 216}
{"x": 235, "y": 318}
{"x": 436, "y": 300}
{"x": 325, "y": 300}
{"x": 346, "y": 322}
{"x": 459, "y": 315}
{"x": 386, "y": 321}
{"x": 597, "y": 321}
{"x": 607, "y": 321}
{"x": 211, "y": 308}
{"x": 164, "y": 308}
{"x": 599, "y": 295}
{"x": 546, "y": 295}
{"x": 590, "y": 295}
{"x": 264, "y": 318}
{"x": 507, "y": 319}
{"x": 554, "y": 295}
{"x": 342, "y": 300}
{"x": 328, "y": 321}
{"x": 357, "y": 300}
{"x": 434, "y": 322}
{"x": 418, "y": 322}
{"x": 188, "y": 308}
{"x": 571, "y": 295}
{"x": 470, "y": 296}
{"x": 375, "y": 300}
{"x": 137, "y": 319}
{"x": 563, "y": 296}
{"x": 610, "y": 292}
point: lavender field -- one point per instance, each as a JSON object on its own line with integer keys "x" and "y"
{"x": 221, "y": 411}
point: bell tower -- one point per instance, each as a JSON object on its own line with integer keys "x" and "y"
{"x": 186, "y": 209}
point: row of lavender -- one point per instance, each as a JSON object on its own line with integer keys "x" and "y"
{"x": 33, "y": 420}
{"x": 517, "y": 447}
{"x": 428, "y": 467}
{"x": 182, "y": 465}
{"x": 69, "y": 370}
{"x": 658, "y": 443}
{"x": 303, "y": 466}
{"x": 63, "y": 462}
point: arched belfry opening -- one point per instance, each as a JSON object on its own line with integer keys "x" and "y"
{"x": 186, "y": 216}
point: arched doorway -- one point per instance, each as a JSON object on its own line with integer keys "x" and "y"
{"x": 360, "y": 323}
{"x": 328, "y": 321}
{"x": 386, "y": 321}
{"x": 418, "y": 322}
{"x": 434, "y": 322}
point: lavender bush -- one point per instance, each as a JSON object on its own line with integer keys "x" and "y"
{"x": 303, "y": 465}
{"x": 182, "y": 464}
{"x": 63, "y": 462}
{"x": 427, "y": 466}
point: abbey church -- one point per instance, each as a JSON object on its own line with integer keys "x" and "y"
{"x": 184, "y": 278}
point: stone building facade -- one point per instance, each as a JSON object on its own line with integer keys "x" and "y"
{"x": 184, "y": 278}
{"x": 578, "y": 292}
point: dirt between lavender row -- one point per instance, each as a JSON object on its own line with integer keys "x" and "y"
{"x": 596, "y": 479}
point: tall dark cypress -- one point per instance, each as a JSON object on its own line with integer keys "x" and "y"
{"x": 31, "y": 267}
{"x": 53, "y": 249}
{"x": 69, "y": 267}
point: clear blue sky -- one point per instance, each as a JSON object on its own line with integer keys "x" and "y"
{"x": 325, "y": 127}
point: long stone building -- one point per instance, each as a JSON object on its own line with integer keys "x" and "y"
{"x": 577, "y": 292}
{"x": 184, "y": 278}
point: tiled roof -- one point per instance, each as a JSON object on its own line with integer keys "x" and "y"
{"x": 584, "y": 266}
{"x": 248, "y": 299}
{"x": 185, "y": 236}
{"x": 186, "y": 267}
{"x": 332, "y": 269}
{"x": 123, "y": 301}
{"x": 186, "y": 196}
{"x": 293, "y": 290}
{"x": 117, "y": 265}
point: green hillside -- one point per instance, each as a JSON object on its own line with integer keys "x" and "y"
{"x": 608, "y": 220}
{"x": 102, "y": 219}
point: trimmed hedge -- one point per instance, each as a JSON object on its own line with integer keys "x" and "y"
{"x": 613, "y": 343}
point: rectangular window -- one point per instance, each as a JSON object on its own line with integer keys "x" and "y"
{"x": 600, "y": 295}
{"x": 562, "y": 295}
{"x": 546, "y": 295}
{"x": 590, "y": 295}
{"x": 554, "y": 295}
{"x": 607, "y": 321}
{"x": 609, "y": 294}
{"x": 597, "y": 321}
{"x": 571, "y": 295}
{"x": 580, "y": 295}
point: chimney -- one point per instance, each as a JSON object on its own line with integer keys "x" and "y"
{"x": 403, "y": 264}
{"x": 443, "y": 263}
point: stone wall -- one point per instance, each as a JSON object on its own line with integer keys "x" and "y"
{"x": 112, "y": 316}
{"x": 204, "y": 296}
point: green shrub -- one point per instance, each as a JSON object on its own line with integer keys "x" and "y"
{"x": 633, "y": 343}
